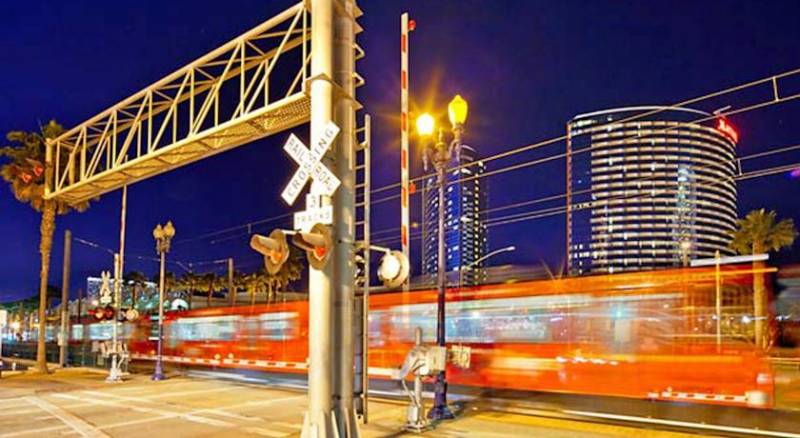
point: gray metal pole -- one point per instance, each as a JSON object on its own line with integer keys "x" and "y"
{"x": 317, "y": 422}
{"x": 122, "y": 215}
{"x": 114, "y": 371}
{"x": 231, "y": 288}
{"x": 65, "y": 327}
{"x": 344, "y": 220}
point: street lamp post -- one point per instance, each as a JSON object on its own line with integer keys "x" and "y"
{"x": 440, "y": 155}
{"x": 163, "y": 236}
{"x": 480, "y": 259}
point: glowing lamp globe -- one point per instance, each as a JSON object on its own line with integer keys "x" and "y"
{"x": 169, "y": 230}
{"x": 425, "y": 125}
{"x": 457, "y": 110}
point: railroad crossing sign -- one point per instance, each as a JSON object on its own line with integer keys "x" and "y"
{"x": 105, "y": 288}
{"x": 310, "y": 164}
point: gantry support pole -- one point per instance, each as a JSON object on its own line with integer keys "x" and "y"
{"x": 344, "y": 221}
{"x": 65, "y": 326}
{"x": 317, "y": 422}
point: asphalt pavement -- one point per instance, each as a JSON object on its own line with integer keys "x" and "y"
{"x": 78, "y": 402}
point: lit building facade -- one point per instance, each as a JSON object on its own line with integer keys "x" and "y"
{"x": 648, "y": 188}
{"x": 465, "y": 230}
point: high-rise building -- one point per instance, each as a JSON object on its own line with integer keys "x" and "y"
{"x": 648, "y": 188}
{"x": 465, "y": 229}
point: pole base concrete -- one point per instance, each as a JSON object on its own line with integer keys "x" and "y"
{"x": 325, "y": 428}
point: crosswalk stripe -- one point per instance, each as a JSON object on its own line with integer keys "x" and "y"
{"x": 75, "y": 423}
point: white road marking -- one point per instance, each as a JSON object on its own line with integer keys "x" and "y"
{"x": 190, "y": 417}
{"x": 38, "y": 432}
{"x": 266, "y": 432}
{"x": 198, "y": 411}
{"x": 18, "y": 412}
{"x": 223, "y": 413}
{"x": 287, "y": 425}
{"x": 77, "y": 424}
{"x": 732, "y": 429}
{"x": 196, "y": 391}
{"x": 164, "y": 384}
{"x": 12, "y": 400}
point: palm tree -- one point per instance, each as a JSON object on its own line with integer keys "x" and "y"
{"x": 189, "y": 282}
{"x": 208, "y": 284}
{"x": 25, "y": 172}
{"x": 171, "y": 283}
{"x": 291, "y": 271}
{"x": 757, "y": 233}
{"x": 137, "y": 279}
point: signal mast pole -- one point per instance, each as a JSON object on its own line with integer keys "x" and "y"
{"x": 317, "y": 423}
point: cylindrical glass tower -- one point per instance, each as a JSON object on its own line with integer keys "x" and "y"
{"x": 648, "y": 188}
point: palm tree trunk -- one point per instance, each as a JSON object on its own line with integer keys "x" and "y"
{"x": 47, "y": 228}
{"x": 191, "y": 294}
{"x": 759, "y": 305}
{"x": 210, "y": 292}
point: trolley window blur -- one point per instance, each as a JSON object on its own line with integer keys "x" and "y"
{"x": 627, "y": 321}
{"x": 278, "y": 326}
{"x": 204, "y": 328}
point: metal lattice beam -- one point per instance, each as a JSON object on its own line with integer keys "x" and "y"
{"x": 224, "y": 99}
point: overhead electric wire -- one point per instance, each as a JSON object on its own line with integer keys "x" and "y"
{"x": 549, "y": 158}
{"x": 767, "y": 80}
{"x": 772, "y": 79}
{"x": 556, "y": 210}
{"x": 180, "y": 263}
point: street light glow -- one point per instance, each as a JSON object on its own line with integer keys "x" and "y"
{"x": 457, "y": 110}
{"x": 425, "y": 125}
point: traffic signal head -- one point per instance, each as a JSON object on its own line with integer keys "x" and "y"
{"x": 394, "y": 269}
{"x": 274, "y": 249}
{"x": 317, "y": 243}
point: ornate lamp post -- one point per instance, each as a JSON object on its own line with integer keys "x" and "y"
{"x": 163, "y": 236}
{"x": 440, "y": 154}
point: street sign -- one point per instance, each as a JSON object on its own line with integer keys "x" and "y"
{"x": 105, "y": 288}
{"x": 304, "y": 220}
{"x": 310, "y": 164}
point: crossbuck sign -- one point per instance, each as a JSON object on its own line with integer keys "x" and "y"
{"x": 310, "y": 163}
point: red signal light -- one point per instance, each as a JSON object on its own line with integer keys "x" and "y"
{"x": 412, "y": 24}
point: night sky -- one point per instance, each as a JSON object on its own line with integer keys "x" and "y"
{"x": 525, "y": 67}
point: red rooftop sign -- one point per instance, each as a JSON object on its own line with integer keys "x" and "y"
{"x": 726, "y": 128}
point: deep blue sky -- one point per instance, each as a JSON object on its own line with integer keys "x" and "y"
{"x": 525, "y": 67}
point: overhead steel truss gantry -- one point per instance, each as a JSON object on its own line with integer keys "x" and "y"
{"x": 296, "y": 67}
{"x": 224, "y": 99}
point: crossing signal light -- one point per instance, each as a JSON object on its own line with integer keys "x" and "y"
{"x": 104, "y": 313}
{"x": 317, "y": 243}
{"x": 274, "y": 249}
{"x": 394, "y": 269}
